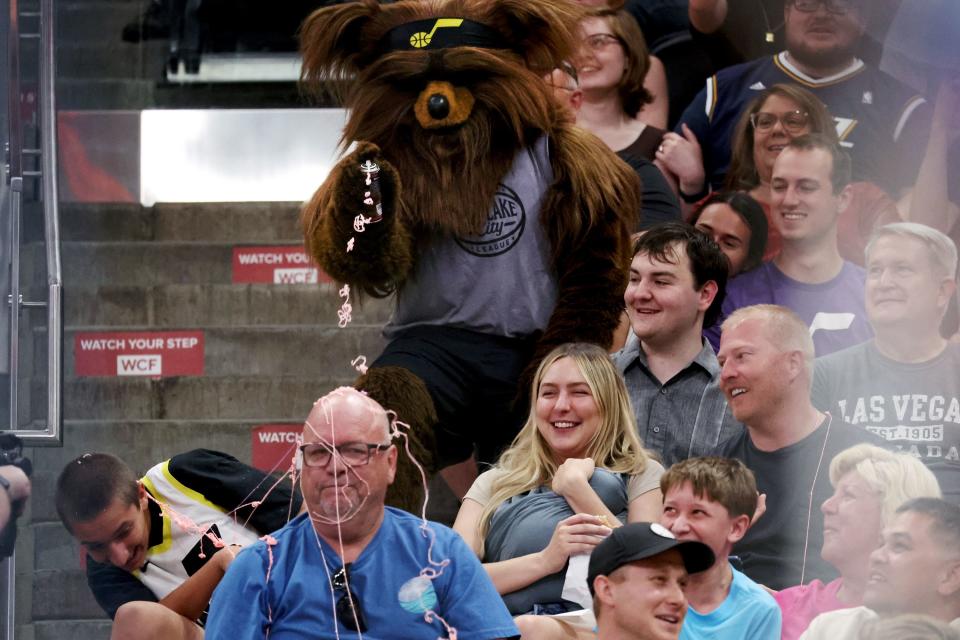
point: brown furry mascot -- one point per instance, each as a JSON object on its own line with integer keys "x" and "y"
{"x": 505, "y": 229}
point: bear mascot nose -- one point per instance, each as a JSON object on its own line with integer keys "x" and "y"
{"x": 441, "y": 104}
{"x": 438, "y": 106}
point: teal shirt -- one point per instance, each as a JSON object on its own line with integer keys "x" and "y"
{"x": 748, "y": 613}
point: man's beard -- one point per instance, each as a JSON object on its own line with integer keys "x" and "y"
{"x": 821, "y": 58}
{"x": 334, "y": 506}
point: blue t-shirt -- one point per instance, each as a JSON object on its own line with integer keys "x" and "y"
{"x": 834, "y": 310}
{"x": 299, "y": 602}
{"x": 748, "y": 613}
{"x": 881, "y": 123}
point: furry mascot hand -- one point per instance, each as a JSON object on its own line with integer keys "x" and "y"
{"x": 506, "y": 229}
{"x": 378, "y": 255}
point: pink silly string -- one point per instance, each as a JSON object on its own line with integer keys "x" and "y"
{"x": 428, "y": 572}
{"x": 395, "y": 433}
{"x": 328, "y": 416}
{"x": 269, "y": 541}
{"x": 188, "y": 525}
{"x": 350, "y": 245}
{"x": 256, "y": 503}
{"x": 430, "y": 615}
{"x": 360, "y": 364}
{"x": 360, "y": 222}
{"x": 344, "y": 314}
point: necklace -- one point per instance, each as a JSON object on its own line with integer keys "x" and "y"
{"x": 813, "y": 485}
{"x": 768, "y": 36}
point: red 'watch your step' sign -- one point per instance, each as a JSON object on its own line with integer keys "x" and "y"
{"x": 275, "y": 265}
{"x": 157, "y": 354}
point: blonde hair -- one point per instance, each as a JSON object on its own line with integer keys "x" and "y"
{"x": 615, "y": 446}
{"x": 783, "y": 328}
{"x": 897, "y": 477}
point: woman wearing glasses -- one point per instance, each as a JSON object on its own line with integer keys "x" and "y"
{"x": 624, "y": 88}
{"x": 576, "y": 469}
{"x": 774, "y": 118}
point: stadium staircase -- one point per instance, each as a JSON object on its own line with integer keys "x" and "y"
{"x": 270, "y": 351}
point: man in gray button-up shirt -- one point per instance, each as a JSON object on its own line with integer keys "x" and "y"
{"x": 677, "y": 280}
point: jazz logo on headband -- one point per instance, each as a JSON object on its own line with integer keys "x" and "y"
{"x": 422, "y": 39}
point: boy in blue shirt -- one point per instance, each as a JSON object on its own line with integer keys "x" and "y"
{"x": 712, "y": 500}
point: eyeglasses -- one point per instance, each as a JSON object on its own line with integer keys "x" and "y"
{"x": 348, "y": 606}
{"x": 793, "y": 121}
{"x": 599, "y": 41}
{"x": 836, "y": 7}
{"x": 352, "y": 454}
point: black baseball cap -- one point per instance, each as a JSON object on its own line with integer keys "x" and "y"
{"x": 640, "y": 540}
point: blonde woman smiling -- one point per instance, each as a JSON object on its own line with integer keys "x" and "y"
{"x": 576, "y": 469}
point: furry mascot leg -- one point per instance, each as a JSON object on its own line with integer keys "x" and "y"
{"x": 403, "y": 392}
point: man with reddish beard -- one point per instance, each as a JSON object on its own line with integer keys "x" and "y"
{"x": 809, "y": 190}
{"x": 905, "y": 384}
{"x": 349, "y": 564}
{"x": 882, "y": 122}
{"x": 677, "y": 280}
{"x": 766, "y": 359}
{"x": 915, "y": 571}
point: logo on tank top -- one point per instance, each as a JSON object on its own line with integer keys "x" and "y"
{"x": 505, "y": 224}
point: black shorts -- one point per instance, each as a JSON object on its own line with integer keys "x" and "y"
{"x": 472, "y": 378}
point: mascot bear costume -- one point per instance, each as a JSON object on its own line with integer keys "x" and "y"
{"x": 505, "y": 229}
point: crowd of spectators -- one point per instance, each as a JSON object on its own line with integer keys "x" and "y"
{"x": 773, "y": 450}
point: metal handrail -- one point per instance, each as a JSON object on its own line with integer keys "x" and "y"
{"x": 51, "y": 214}
{"x": 52, "y": 433}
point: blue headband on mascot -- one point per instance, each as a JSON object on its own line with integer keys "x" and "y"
{"x": 442, "y": 33}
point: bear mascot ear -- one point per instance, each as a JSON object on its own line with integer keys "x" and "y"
{"x": 543, "y": 33}
{"x": 334, "y": 41}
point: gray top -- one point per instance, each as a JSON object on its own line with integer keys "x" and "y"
{"x": 525, "y": 523}
{"x": 913, "y": 406}
{"x": 501, "y": 282}
{"x": 683, "y": 418}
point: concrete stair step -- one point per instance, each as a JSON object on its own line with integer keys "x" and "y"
{"x": 144, "y": 264}
{"x": 247, "y": 223}
{"x": 274, "y": 399}
{"x": 312, "y": 352}
{"x": 106, "y": 93}
{"x": 212, "y": 305}
{"x": 62, "y": 594}
{"x": 54, "y": 547}
{"x": 111, "y": 58}
{"x": 75, "y": 629}
{"x": 94, "y": 22}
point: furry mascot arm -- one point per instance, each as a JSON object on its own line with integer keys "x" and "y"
{"x": 336, "y": 48}
{"x": 594, "y": 203}
{"x": 381, "y": 254}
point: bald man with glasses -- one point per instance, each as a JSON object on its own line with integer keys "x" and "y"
{"x": 350, "y": 564}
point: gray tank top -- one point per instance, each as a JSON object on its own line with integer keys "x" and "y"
{"x": 500, "y": 282}
{"x": 524, "y": 524}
